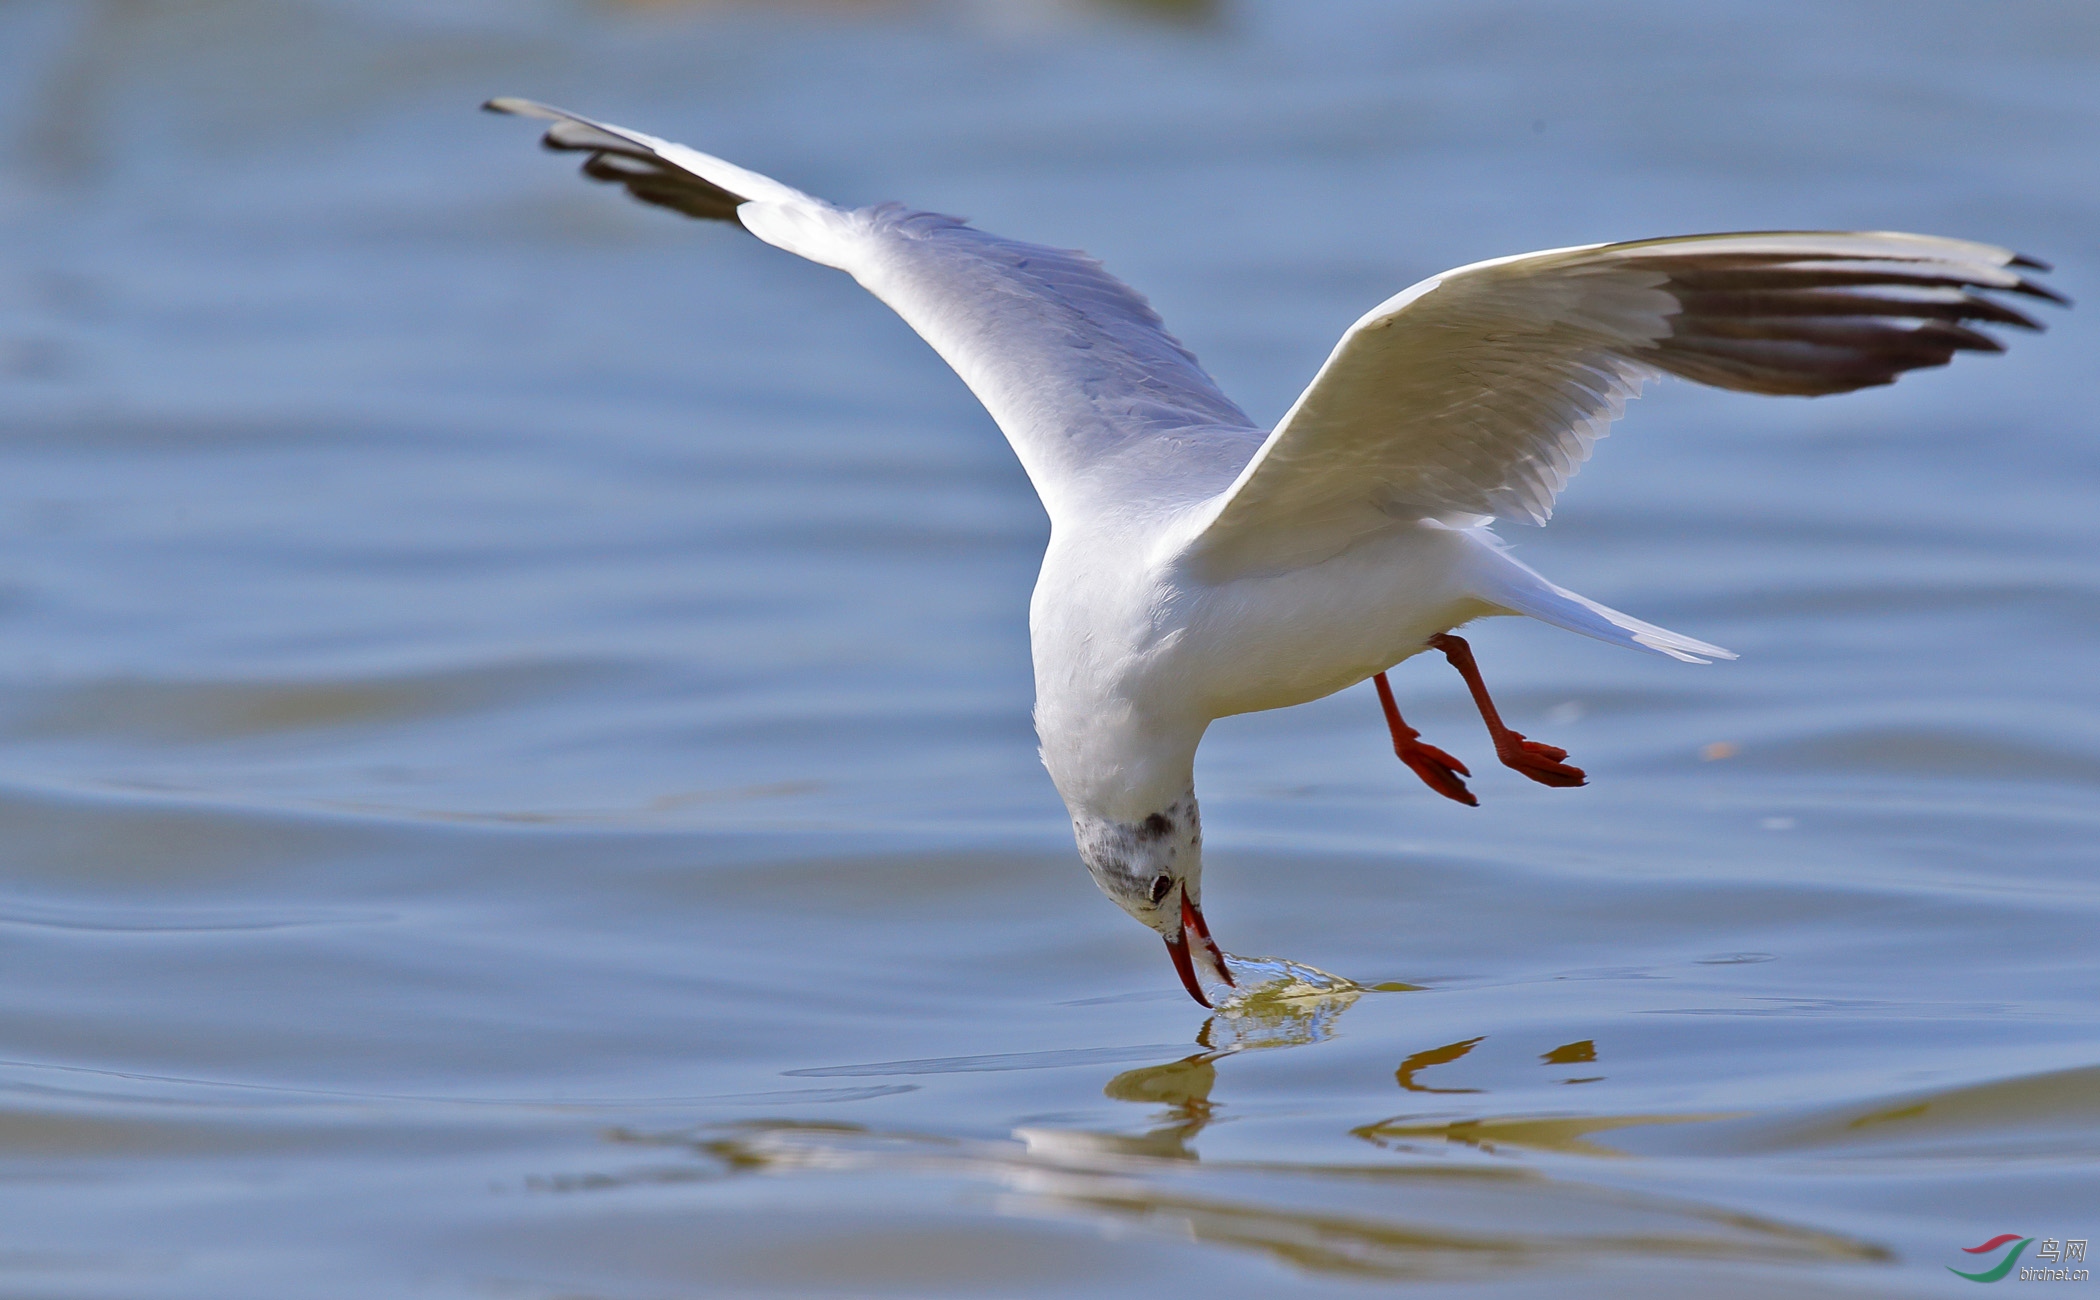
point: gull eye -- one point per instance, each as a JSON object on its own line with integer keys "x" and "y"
{"x": 1161, "y": 886}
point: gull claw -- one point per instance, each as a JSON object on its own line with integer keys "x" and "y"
{"x": 1438, "y": 770}
{"x": 1541, "y": 762}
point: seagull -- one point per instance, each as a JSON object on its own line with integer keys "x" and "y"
{"x": 1200, "y": 566}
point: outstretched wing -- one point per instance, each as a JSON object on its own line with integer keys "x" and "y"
{"x": 1480, "y": 392}
{"x": 1106, "y": 410}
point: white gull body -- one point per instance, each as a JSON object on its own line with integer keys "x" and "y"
{"x": 1200, "y": 566}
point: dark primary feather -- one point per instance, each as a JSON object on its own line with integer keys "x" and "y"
{"x": 618, "y": 160}
{"x": 1807, "y": 324}
{"x": 662, "y": 185}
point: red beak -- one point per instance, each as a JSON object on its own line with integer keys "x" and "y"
{"x": 1193, "y": 925}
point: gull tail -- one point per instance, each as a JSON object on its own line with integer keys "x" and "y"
{"x": 1517, "y": 587}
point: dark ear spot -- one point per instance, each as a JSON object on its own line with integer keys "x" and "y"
{"x": 1156, "y": 827}
{"x": 1160, "y": 886}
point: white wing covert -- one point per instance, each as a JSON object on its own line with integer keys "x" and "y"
{"x": 1479, "y": 392}
{"x": 1073, "y": 364}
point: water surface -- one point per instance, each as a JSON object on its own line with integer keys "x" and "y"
{"x": 515, "y": 768}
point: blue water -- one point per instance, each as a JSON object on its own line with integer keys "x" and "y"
{"x": 515, "y": 766}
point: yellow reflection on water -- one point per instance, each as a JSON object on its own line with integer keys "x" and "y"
{"x": 1415, "y": 1214}
{"x": 1566, "y": 1134}
{"x": 1412, "y": 1220}
{"x": 1420, "y": 1061}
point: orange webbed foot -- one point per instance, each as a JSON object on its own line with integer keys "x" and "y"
{"x": 1438, "y": 770}
{"x": 1539, "y": 761}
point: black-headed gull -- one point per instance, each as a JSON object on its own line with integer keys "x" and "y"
{"x": 1200, "y": 566}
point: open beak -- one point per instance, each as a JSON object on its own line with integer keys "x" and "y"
{"x": 1195, "y": 931}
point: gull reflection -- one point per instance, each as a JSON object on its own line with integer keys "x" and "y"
{"x": 1418, "y": 1220}
{"x": 1420, "y": 1061}
{"x": 1181, "y": 1088}
{"x": 1565, "y": 1134}
{"x": 1294, "y": 1006}
{"x": 1409, "y": 1214}
{"x": 1581, "y": 1052}
{"x": 1502, "y": 1135}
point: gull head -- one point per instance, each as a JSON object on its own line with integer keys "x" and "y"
{"x": 1153, "y": 868}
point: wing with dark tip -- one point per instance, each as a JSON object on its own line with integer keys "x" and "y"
{"x": 654, "y": 171}
{"x": 1074, "y": 365}
{"x": 1808, "y": 324}
{"x": 1481, "y": 391}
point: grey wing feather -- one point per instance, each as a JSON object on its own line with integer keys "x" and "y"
{"x": 1105, "y": 408}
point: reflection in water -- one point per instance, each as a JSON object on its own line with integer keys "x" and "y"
{"x": 1289, "y": 1010}
{"x": 1401, "y": 1220}
{"x": 1444, "y": 1055}
{"x": 1581, "y": 1052}
{"x": 1415, "y": 1216}
{"x": 1181, "y": 1087}
{"x": 1566, "y": 1134}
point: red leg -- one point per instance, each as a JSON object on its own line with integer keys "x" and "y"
{"x": 1437, "y": 769}
{"x": 1542, "y": 763}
